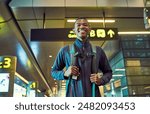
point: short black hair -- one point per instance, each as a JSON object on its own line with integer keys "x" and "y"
{"x": 80, "y": 18}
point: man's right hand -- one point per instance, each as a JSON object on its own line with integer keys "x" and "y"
{"x": 72, "y": 70}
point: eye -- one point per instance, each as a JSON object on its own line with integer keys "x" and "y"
{"x": 78, "y": 25}
{"x": 85, "y": 24}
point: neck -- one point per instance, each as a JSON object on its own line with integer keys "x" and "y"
{"x": 82, "y": 39}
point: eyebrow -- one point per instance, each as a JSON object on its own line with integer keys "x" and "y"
{"x": 82, "y": 23}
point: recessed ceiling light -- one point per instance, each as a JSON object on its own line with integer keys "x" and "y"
{"x": 50, "y": 56}
{"x": 119, "y": 69}
{"x": 133, "y": 32}
{"x": 94, "y": 21}
{"x": 116, "y": 75}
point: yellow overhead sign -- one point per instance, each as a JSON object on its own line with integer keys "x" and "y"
{"x": 8, "y": 63}
{"x": 67, "y": 34}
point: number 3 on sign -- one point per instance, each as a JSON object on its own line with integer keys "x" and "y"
{"x": 7, "y": 63}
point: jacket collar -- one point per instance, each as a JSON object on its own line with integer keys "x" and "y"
{"x": 80, "y": 44}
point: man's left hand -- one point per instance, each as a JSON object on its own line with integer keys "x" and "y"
{"x": 95, "y": 78}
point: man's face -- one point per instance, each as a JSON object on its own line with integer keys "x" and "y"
{"x": 81, "y": 29}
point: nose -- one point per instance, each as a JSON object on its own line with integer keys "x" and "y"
{"x": 82, "y": 25}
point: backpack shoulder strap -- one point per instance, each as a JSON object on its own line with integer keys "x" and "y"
{"x": 71, "y": 48}
{"x": 94, "y": 68}
{"x": 94, "y": 62}
{"x": 72, "y": 52}
{"x": 93, "y": 49}
{"x": 73, "y": 57}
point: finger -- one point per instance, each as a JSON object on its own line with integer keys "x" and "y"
{"x": 92, "y": 79}
{"x": 75, "y": 71}
{"x": 76, "y": 74}
{"x": 92, "y": 75}
{"x": 75, "y": 68}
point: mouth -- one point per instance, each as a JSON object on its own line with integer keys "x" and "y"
{"x": 82, "y": 30}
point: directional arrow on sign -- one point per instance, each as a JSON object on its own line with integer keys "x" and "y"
{"x": 111, "y": 33}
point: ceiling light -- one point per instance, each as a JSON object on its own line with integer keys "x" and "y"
{"x": 134, "y": 32}
{"x": 148, "y": 87}
{"x": 112, "y": 79}
{"x": 50, "y": 56}
{"x": 147, "y": 2}
{"x": 101, "y": 21}
{"x": 93, "y": 21}
{"x": 116, "y": 75}
{"x": 38, "y": 90}
{"x": 21, "y": 78}
{"x": 119, "y": 69}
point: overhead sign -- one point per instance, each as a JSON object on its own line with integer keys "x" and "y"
{"x": 8, "y": 63}
{"x": 32, "y": 89}
{"x": 7, "y": 71}
{"x": 66, "y": 34}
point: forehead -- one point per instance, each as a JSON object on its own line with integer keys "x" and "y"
{"x": 81, "y": 21}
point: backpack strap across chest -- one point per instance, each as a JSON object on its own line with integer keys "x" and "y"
{"x": 94, "y": 62}
{"x": 73, "y": 57}
{"x": 94, "y": 68}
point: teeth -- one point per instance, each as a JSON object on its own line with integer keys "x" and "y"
{"x": 82, "y": 30}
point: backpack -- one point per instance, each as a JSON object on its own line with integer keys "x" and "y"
{"x": 74, "y": 54}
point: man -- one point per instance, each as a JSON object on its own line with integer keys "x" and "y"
{"x": 81, "y": 81}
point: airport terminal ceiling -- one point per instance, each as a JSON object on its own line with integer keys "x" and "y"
{"x": 28, "y": 16}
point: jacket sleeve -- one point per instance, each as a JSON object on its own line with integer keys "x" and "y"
{"x": 105, "y": 68}
{"x": 57, "y": 71}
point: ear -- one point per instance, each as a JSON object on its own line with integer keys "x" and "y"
{"x": 89, "y": 29}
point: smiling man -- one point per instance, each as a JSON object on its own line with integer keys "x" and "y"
{"x": 80, "y": 60}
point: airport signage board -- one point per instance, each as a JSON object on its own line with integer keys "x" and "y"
{"x": 67, "y": 34}
{"x": 7, "y": 71}
{"x": 8, "y": 63}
